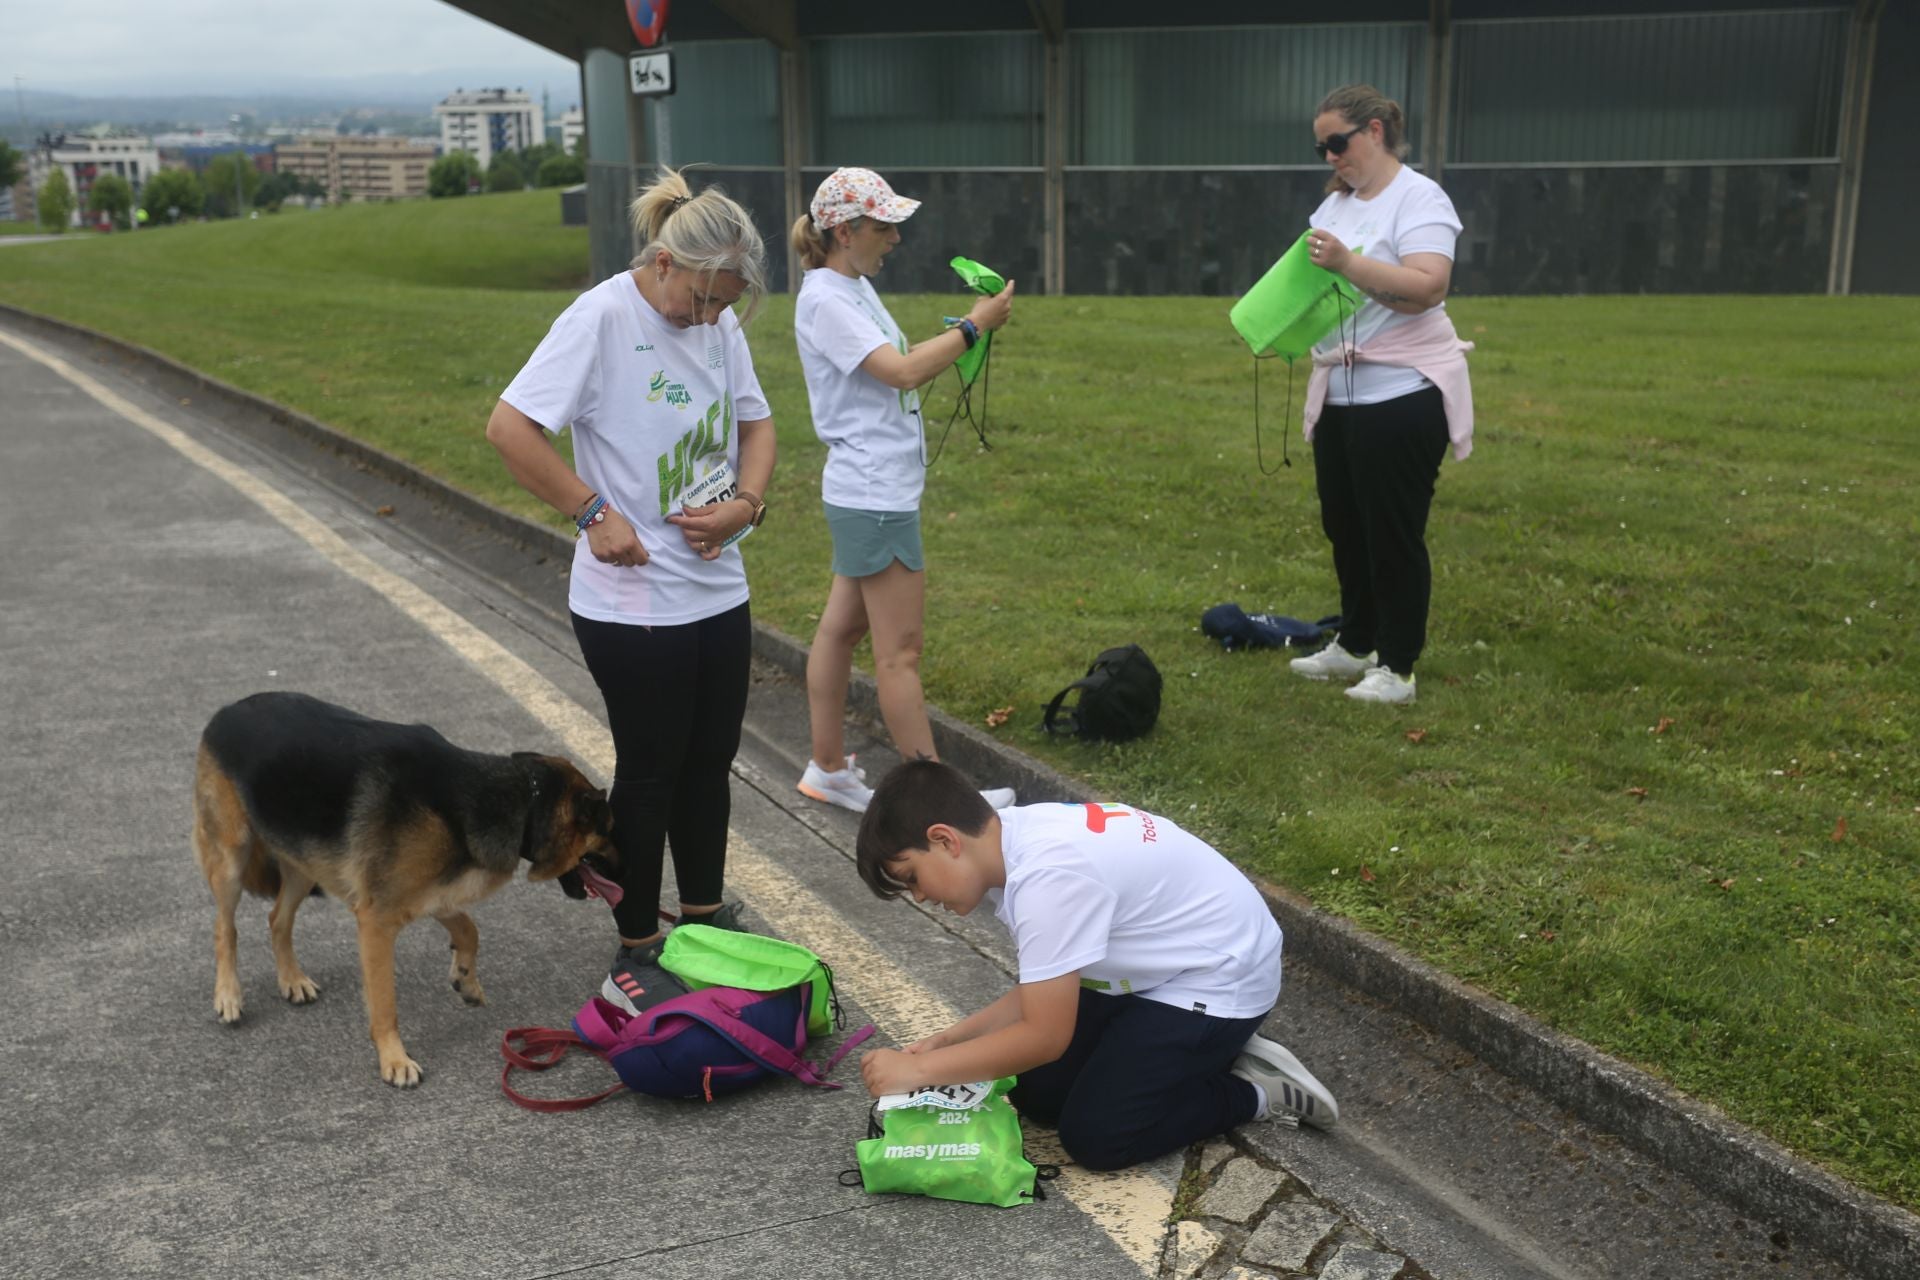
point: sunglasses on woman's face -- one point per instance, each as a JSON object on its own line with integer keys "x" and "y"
{"x": 1337, "y": 143}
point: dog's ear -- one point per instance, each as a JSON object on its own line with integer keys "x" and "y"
{"x": 591, "y": 812}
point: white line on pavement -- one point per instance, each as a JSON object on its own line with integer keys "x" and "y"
{"x": 1131, "y": 1207}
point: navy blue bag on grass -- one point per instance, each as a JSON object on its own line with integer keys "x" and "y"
{"x": 1235, "y": 628}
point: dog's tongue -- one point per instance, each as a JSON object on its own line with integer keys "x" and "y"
{"x": 598, "y": 885}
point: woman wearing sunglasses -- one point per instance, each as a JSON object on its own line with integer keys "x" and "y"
{"x": 1389, "y": 389}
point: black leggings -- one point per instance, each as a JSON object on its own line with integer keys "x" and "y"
{"x": 1375, "y": 465}
{"x": 675, "y": 698}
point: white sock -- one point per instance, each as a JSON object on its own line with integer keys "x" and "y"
{"x": 1260, "y": 1109}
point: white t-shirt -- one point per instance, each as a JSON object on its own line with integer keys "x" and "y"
{"x": 872, "y": 431}
{"x": 651, "y": 415}
{"x": 1138, "y": 906}
{"x": 1411, "y": 215}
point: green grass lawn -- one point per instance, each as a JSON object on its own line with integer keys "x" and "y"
{"x": 1660, "y": 788}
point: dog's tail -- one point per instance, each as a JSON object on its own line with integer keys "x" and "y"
{"x": 223, "y": 838}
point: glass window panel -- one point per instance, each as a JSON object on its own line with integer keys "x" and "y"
{"x": 1229, "y": 96}
{"x": 1732, "y": 86}
{"x": 725, "y": 105}
{"x": 951, "y": 101}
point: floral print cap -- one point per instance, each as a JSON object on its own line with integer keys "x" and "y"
{"x": 858, "y": 193}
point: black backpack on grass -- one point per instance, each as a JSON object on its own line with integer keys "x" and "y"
{"x": 1119, "y": 698}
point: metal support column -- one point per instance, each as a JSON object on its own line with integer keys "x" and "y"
{"x": 1439, "y": 87}
{"x": 616, "y": 147}
{"x": 795, "y": 129}
{"x": 1055, "y": 159}
{"x": 1050, "y": 19}
{"x": 1861, "y": 31}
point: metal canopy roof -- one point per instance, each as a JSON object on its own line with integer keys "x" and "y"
{"x": 571, "y": 27}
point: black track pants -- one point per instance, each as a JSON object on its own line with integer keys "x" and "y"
{"x": 1138, "y": 1080}
{"x": 675, "y": 697}
{"x": 1375, "y": 466}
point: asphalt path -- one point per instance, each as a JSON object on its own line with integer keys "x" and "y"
{"x": 5, "y": 241}
{"x": 158, "y": 566}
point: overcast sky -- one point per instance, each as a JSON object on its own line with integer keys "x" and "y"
{"x": 264, "y": 46}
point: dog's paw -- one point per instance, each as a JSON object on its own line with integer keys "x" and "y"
{"x": 467, "y": 983}
{"x": 402, "y": 1072}
{"x": 227, "y": 1005}
{"x": 302, "y": 990}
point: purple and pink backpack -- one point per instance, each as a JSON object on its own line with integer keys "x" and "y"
{"x": 704, "y": 1044}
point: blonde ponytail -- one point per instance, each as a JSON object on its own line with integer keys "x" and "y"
{"x": 706, "y": 233}
{"x": 808, "y": 244}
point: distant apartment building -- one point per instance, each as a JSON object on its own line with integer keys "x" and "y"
{"x": 358, "y": 168}
{"x": 86, "y": 158}
{"x": 199, "y": 148}
{"x": 485, "y": 122}
{"x": 573, "y": 124}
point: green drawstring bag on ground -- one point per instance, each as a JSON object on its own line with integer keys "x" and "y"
{"x": 703, "y": 956}
{"x": 964, "y": 1147}
{"x": 1293, "y": 306}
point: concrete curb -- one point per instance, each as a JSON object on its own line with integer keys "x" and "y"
{"x": 1873, "y": 1238}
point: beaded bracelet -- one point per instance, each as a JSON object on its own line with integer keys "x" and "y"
{"x": 596, "y": 512}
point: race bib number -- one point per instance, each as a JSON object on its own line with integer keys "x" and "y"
{"x": 717, "y": 485}
{"x": 947, "y": 1097}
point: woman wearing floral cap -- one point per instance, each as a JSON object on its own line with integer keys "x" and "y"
{"x": 863, "y": 380}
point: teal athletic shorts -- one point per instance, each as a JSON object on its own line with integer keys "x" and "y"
{"x": 865, "y": 542}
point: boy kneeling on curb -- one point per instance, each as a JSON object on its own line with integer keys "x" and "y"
{"x": 1147, "y": 962}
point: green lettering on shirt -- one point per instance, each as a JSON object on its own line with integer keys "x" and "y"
{"x": 678, "y": 466}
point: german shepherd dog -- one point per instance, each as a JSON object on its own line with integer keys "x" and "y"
{"x": 294, "y": 796}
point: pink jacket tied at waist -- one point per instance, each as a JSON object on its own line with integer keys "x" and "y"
{"x": 1429, "y": 346}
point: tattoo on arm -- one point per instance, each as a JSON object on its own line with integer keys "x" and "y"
{"x": 1386, "y": 296}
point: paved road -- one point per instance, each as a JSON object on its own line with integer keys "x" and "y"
{"x": 13, "y": 240}
{"x": 158, "y": 566}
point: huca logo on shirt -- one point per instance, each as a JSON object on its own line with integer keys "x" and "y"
{"x": 674, "y": 393}
{"x": 708, "y": 437}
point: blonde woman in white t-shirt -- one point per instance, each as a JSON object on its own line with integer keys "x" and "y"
{"x": 863, "y": 381}
{"x": 1389, "y": 391}
{"x": 651, "y": 370}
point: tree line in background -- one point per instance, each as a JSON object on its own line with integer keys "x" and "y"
{"x": 543, "y": 164}
{"x": 176, "y": 195}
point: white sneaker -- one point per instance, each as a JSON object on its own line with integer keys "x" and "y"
{"x": 1290, "y": 1088}
{"x": 998, "y": 797}
{"x": 846, "y": 787}
{"x": 1382, "y": 685}
{"x": 1333, "y": 661}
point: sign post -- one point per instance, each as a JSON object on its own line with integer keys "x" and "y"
{"x": 651, "y": 73}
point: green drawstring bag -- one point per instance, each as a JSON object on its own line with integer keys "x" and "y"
{"x": 972, "y": 1153}
{"x": 703, "y": 956}
{"x": 982, "y": 280}
{"x": 1293, "y": 306}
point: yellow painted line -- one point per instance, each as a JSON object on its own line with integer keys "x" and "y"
{"x": 1131, "y": 1206}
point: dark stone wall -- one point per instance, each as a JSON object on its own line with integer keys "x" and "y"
{"x": 1675, "y": 229}
{"x": 1679, "y": 229}
{"x": 992, "y": 216}
{"x": 1149, "y": 231}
